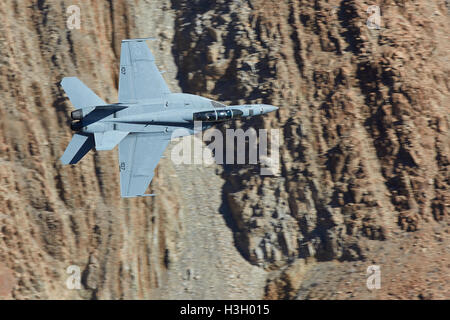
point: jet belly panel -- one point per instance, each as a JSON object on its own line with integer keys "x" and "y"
{"x": 151, "y": 128}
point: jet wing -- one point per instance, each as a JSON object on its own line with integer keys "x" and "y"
{"x": 139, "y": 154}
{"x": 139, "y": 78}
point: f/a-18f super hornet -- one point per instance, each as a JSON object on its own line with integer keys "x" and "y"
{"x": 143, "y": 120}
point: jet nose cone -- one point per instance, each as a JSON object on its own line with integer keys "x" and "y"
{"x": 269, "y": 108}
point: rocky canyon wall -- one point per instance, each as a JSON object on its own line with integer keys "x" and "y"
{"x": 364, "y": 117}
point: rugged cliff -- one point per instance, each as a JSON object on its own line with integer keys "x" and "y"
{"x": 364, "y": 117}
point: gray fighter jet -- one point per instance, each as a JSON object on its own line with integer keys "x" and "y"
{"x": 143, "y": 120}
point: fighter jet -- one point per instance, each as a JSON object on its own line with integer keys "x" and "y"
{"x": 144, "y": 118}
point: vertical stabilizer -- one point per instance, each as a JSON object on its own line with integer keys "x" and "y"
{"x": 79, "y": 94}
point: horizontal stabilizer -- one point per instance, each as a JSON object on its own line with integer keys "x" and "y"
{"x": 109, "y": 139}
{"x": 77, "y": 148}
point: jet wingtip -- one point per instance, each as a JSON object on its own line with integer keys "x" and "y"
{"x": 139, "y": 195}
{"x": 138, "y": 39}
{"x": 68, "y": 80}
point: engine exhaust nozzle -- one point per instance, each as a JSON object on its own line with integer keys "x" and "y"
{"x": 77, "y": 114}
{"x": 76, "y": 125}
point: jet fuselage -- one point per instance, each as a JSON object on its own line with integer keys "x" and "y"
{"x": 162, "y": 115}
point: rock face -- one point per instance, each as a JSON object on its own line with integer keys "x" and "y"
{"x": 54, "y": 216}
{"x": 364, "y": 118}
